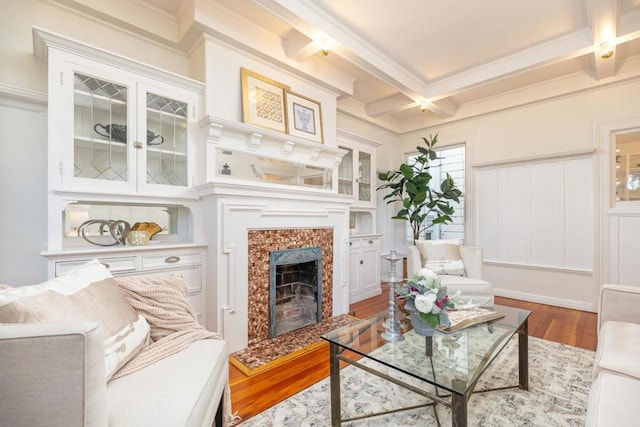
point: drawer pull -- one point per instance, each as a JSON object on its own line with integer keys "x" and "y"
{"x": 350, "y": 244}
{"x": 105, "y": 265}
{"x": 361, "y": 262}
{"x": 172, "y": 259}
{"x": 371, "y": 242}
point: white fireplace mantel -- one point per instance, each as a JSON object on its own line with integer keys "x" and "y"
{"x": 231, "y": 210}
{"x": 233, "y": 135}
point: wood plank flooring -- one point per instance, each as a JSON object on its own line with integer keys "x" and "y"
{"x": 251, "y": 395}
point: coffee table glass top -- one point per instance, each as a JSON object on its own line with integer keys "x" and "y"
{"x": 457, "y": 360}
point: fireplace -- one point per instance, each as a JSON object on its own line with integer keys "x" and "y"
{"x": 263, "y": 243}
{"x": 295, "y": 289}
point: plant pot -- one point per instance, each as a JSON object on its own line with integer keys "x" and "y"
{"x": 422, "y": 328}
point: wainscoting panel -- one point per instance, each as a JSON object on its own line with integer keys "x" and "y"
{"x": 580, "y": 213}
{"x": 628, "y": 268}
{"x": 547, "y": 214}
{"x": 537, "y": 214}
{"x": 515, "y": 200}
{"x": 488, "y": 212}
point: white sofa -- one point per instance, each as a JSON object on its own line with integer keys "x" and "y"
{"x": 470, "y": 284}
{"x": 616, "y": 388}
{"x": 86, "y": 349}
{"x": 54, "y": 375}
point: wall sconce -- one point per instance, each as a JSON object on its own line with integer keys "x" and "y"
{"x": 606, "y": 50}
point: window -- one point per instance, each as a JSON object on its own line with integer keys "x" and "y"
{"x": 627, "y": 167}
{"x": 451, "y": 161}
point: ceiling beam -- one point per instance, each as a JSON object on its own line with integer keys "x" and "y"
{"x": 604, "y": 23}
{"x": 391, "y": 104}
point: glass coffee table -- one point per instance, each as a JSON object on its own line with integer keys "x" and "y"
{"x": 447, "y": 373}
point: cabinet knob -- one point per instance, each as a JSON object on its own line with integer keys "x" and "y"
{"x": 350, "y": 243}
{"x": 371, "y": 242}
{"x": 172, "y": 259}
{"x": 138, "y": 144}
{"x": 105, "y": 265}
{"x": 361, "y": 262}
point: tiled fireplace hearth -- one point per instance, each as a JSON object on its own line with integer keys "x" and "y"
{"x": 263, "y": 243}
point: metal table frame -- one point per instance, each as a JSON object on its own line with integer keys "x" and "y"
{"x": 458, "y": 403}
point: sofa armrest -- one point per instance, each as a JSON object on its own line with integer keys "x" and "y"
{"x": 52, "y": 374}
{"x": 619, "y": 303}
{"x": 472, "y": 259}
{"x": 414, "y": 262}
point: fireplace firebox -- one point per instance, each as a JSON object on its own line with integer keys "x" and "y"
{"x": 295, "y": 289}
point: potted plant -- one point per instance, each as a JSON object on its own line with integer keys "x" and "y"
{"x": 411, "y": 185}
{"x": 427, "y": 301}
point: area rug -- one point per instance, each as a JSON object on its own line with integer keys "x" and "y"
{"x": 268, "y": 354}
{"x": 559, "y": 382}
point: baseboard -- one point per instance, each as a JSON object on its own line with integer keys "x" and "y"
{"x": 558, "y": 302}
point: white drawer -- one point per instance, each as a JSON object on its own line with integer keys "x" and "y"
{"x": 192, "y": 276}
{"x": 115, "y": 265}
{"x": 169, "y": 260}
{"x": 374, "y": 241}
{"x": 354, "y": 244}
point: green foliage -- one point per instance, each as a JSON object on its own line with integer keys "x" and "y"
{"x": 409, "y": 184}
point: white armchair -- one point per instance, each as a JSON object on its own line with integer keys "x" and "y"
{"x": 470, "y": 284}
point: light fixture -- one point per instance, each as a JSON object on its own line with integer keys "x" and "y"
{"x": 606, "y": 50}
{"x": 324, "y": 43}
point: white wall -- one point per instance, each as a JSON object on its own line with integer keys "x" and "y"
{"x": 23, "y": 189}
{"x": 540, "y": 245}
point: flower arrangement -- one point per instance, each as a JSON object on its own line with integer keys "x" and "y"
{"x": 425, "y": 295}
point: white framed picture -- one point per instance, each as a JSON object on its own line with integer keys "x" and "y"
{"x": 304, "y": 117}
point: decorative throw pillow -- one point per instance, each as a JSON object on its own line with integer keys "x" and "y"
{"x": 442, "y": 257}
{"x": 88, "y": 292}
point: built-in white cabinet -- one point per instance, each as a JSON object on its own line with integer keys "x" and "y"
{"x": 121, "y": 134}
{"x": 186, "y": 261}
{"x": 122, "y": 146}
{"x": 357, "y": 170}
{"x": 364, "y": 268}
{"x": 116, "y": 126}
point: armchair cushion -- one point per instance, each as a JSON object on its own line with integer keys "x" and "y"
{"x": 441, "y": 257}
{"x": 87, "y": 293}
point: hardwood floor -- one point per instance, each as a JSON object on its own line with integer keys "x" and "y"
{"x": 251, "y": 395}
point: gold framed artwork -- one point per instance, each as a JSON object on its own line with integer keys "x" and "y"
{"x": 304, "y": 117}
{"x": 263, "y": 101}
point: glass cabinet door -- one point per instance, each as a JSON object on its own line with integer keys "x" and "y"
{"x": 364, "y": 176}
{"x": 166, "y": 141}
{"x": 345, "y": 173}
{"x": 100, "y": 129}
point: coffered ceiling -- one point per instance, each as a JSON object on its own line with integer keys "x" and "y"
{"x": 415, "y": 63}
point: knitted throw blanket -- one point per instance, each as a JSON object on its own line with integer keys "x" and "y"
{"x": 161, "y": 301}
{"x": 174, "y": 326}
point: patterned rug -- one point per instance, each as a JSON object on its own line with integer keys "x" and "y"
{"x": 268, "y": 354}
{"x": 559, "y": 382}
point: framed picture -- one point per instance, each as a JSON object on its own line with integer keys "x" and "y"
{"x": 263, "y": 101}
{"x": 304, "y": 117}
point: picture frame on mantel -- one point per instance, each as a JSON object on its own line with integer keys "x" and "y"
{"x": 304, "y": 117}
{"x": 263, "y": 101}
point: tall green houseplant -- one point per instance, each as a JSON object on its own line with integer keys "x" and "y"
{"x": 410, "y": 184}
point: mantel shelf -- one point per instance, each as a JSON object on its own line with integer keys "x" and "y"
{"x": 234, "y": 135}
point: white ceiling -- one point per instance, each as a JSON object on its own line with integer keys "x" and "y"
{"x": 445, "y": 55}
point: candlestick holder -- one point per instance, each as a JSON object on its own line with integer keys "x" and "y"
{"x": 392, "y": 325}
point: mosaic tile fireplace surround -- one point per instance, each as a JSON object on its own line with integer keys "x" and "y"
{"x": 260, "y": 244}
